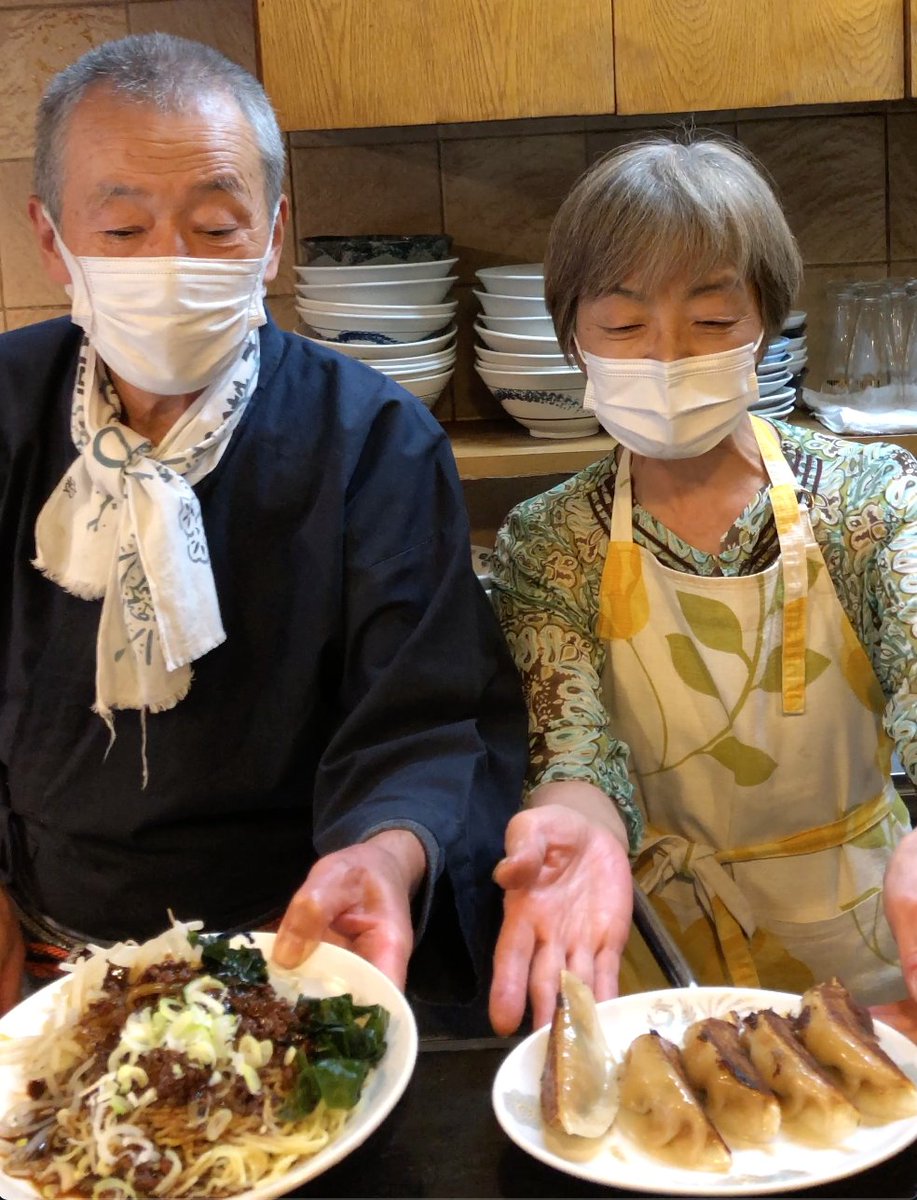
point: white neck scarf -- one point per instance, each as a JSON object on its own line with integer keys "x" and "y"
{"x": 125, "y": 525}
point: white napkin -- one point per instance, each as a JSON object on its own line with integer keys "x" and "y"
{"x": 877, "y": 410}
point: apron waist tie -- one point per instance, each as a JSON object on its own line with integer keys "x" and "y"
{"x": 666, "y": 856}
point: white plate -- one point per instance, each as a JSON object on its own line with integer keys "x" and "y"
{"x": 329, "y": 971}
{"x": 796, "y": 318}
{"x": 784, "y": 1165}
{"x": 781, "y": 410}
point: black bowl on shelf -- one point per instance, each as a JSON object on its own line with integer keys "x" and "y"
{"x": 350, "y": 250}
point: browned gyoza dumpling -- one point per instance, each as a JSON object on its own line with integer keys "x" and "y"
{"x": 811, "y": 1103}
{"x": 660, "y": 1111}
{"x": 840, "y": 1034}
{"x": 736, "y": 1098}
{"x": 578, "y": 1084}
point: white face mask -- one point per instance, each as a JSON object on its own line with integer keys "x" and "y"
{"x": 677, "y": 409}
{"x": 167, "y": 325}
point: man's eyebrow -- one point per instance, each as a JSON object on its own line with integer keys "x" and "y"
{"x": 228, "y": 183}
{"x": 223, "y": 183}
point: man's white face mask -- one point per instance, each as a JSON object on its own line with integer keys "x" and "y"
{"x": 167, "y": 325}
{"x": 677, "y": 409}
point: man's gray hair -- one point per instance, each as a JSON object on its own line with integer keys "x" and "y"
{"x": 659, "y": 208}
{"x": 169, "y": 73}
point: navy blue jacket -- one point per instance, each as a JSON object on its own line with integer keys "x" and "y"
{"x": 363, "y": 680}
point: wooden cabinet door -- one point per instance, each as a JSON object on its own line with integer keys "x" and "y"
{"x": 681, "y": 55}
{"x": 332, "y": 64}
{"x": 912, "y": 40}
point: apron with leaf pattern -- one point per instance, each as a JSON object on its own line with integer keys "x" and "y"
{"x": 758, "y": 757}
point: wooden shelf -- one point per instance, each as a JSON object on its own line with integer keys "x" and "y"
{"x": 503, "y": 450}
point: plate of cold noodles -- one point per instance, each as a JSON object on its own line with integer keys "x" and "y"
{"x": 191, "y": 1066}
{"x": 647, "y": 1086}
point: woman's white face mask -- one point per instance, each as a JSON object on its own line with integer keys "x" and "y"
{"x": 677, "y": 409}
{"x": 167, "y": 325}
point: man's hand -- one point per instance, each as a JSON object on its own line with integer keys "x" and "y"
{"x": 568, "y": 902}
{"x": 900, "y": 897}
{"x": 360, "y": 898}
{"x": 12, "y": 955}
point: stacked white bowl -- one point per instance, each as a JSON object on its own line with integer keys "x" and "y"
{"x": 781, "y": 369}
{"x": 386, "y": 304}
{"x": 519, "y": 358}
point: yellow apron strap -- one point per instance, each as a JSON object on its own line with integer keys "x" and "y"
{"x": 785, "y": 505}
{"x": 623, "y": 604}
{"x": 820, "y": 837}
{"x": 734, "y": 945}
{"x": 732, "y": 941}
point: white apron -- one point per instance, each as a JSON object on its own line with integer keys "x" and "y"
{"x": 758, "y": 757}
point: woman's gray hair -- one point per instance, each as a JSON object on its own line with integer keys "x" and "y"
{"x": 659, "y": 208}
{"x": 168, "y": 73}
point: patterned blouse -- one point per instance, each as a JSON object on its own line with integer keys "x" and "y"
{"x": 551, "y": 551}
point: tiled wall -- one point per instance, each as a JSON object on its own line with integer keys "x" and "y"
{"x": 847, "y": 174}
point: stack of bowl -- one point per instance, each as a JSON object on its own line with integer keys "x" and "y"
{"x": 383, "y": 299}
{"x": 519, "y": 358}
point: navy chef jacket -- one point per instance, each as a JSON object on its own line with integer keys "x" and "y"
{"x": 363, "y": 682}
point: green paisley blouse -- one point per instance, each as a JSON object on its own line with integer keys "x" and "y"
{"x": 551, "y": 551}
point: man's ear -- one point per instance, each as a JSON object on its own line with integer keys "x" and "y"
{"x": 52, "y": 262}
{"x": 280, "y": 222}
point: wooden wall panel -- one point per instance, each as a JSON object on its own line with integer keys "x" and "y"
{"x": 679, "y": 55}
{"x": 352, "y": 63}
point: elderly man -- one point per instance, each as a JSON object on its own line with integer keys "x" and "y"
{"x": 246, "y": 670}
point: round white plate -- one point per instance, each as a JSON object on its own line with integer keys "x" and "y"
{"x": 781, "y": 410}
{"x": 329, "y": 971}
{"x": 796, "y": 318}
{"x": 783, "y": 1165}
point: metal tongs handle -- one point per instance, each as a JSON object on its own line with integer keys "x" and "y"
{"x": 667, "y": 954}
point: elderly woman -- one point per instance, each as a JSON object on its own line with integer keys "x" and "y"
{"x": 716, "y": 624}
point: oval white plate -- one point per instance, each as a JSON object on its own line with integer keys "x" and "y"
{"x": 329, "y": 971}
{"x": 784, "y": 1165}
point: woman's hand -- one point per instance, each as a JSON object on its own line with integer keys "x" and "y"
{"x": 900, "y": 897}
{"x": 568, "y": 902}
{"x": 359, "y": 898}
{"x": 901, "y": 1015}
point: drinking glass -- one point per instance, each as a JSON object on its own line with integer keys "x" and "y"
{"x": 870, "y": 367}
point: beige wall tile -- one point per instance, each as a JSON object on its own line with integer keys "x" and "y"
{"x": 34, "y": 44}
{"x": 472, "y": 399}
{"x": 367, "y": 189}
{"x": 902, "y": 184}
{"x": 819, "y": 319}
{"x": 2, "y": 320}
{"x": 830, "y": 175}
{"x": 228, "y": 25}
{"x": 500, "y": 195}
{"x": 25, "y": 284}
{"x": 17, "y": 317}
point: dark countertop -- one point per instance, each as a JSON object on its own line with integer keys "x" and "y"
{"x": 443, "y": 1139}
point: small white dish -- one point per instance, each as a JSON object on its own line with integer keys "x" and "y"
{"x": 496, "y": 305}
{"x": 795, "y": 343}
{"x": 518, "y": 343}
{"x": 524, "y": 326}
{"x": 397, "y": 291}
{"x": 520, "y": 279}
{"x": 768, "y": 384}
{"x": 374, "y": 272}
{"x": 505, "y": 360}
{"x": 795, "y": 320}
{"x": 372, "y": 350}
